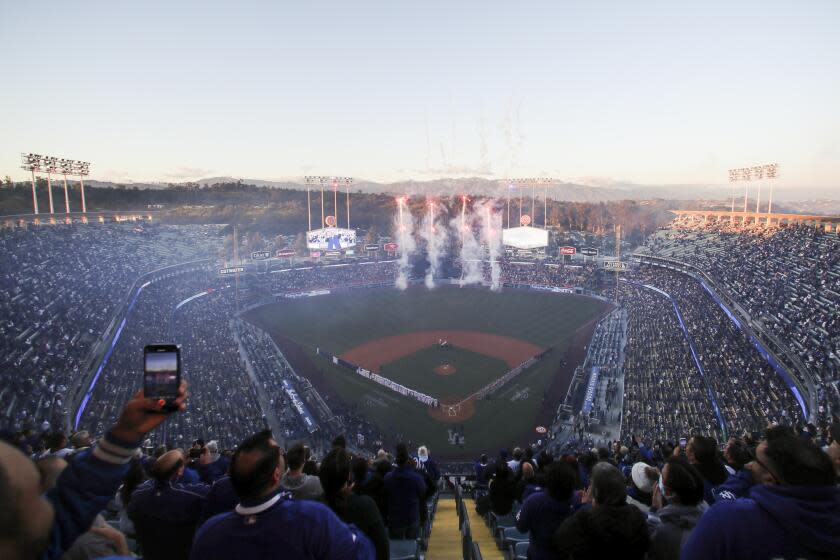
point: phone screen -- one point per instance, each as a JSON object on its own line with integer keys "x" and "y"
{"x": 682, "y": 442}
{"x": 161, "y": 374}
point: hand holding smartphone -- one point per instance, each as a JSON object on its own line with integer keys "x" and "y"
{"x": 162, "y": 374}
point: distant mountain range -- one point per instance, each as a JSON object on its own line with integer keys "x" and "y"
{"x": 805, "y": 200}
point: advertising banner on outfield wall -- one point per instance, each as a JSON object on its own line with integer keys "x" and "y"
{"x": 330, "y": 239}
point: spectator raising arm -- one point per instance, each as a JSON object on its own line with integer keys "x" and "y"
{"x": 31, "y": 527}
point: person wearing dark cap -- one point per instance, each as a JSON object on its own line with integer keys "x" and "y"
{"x": 793, "y": 510}
{"x": 611, "y": 528}
{"x": 166, "y": 513}
{"x": 268, "y": 523}
{"x": 406, "y": 491}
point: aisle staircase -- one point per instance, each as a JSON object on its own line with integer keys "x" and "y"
{"x": 480, "y": 535}
{"x": 445, "y": 540}
{"x": 452, "y": 536}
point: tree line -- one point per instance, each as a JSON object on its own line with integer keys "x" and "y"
{"x": 272, "y": 211}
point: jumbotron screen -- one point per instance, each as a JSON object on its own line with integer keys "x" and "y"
{"x": 331, "y": 239}
{"x": 525, "y": 237}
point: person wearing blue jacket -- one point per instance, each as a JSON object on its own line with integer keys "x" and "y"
{"x": 543, "y": 512}
{"x": 35, "y": 528}
{"x": 736, "y": 486}
{"x": 221, "y": 499}
{"x": 166, "y": 513}
{"x": 406, "y": 491}
{"x": 793, "y": 510}
{"x": 268, "y": 523}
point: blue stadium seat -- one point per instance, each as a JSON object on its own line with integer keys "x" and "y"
{"x": 407, "y": 549}
{"x": 511, "y": 537}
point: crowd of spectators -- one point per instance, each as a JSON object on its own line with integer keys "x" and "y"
{"x": 330, "y": 277}
{"x": 270, "y": 371}
{"x": 786, "y": 278}
{"x": 750, "y": 393}
{"x": 60, "y": 286}
{"x": 773, "y": 496}
{"x": 664, "y": 393}
{"x": 601, "y": 411}
{"x": 210, "y": 360}
{"x": 548, "y": 274}
{"x": 188, "y": 502}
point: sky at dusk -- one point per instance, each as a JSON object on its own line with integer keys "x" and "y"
{"x": 593, "y": 92}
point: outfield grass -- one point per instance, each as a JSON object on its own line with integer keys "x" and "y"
{"x": 339, "y": 322}
{"x": 416, "y": 371}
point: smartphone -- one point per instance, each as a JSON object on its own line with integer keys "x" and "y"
{"x": 682, "y": 442}
{"x": 162, "y": 374}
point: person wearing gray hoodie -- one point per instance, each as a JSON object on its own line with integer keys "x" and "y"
{"x": 302, "y": 486}
{"x": 677, "y": 507}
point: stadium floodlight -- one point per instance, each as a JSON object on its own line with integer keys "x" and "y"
{"x": 321, "y": 180}
{"x": 337, "y": 182}
{"x": 82, "y": 169}
{"x": 65, "y": 167}
{"x": 754, "y": 173}
{"x": 534, "y": 183}
{"x": 32, "y": 163}
{"x": 50, "y": 164}
{"x": 309, "y": 180}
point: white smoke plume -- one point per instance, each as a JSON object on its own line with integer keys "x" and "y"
{"x": 491, "y": 236}
{"x": 435, "y": 234}
{"x": 471, "y": 254}
{"x": 406, "y": 245}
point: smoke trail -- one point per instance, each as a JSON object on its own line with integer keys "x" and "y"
{"x": 435, "y": 236}
{"x": 470, "y": 249}
{"x": 491, "y": 237}
{"x": 404, "y": 228}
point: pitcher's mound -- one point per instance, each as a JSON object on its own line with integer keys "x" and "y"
{"x": 453, "y": 411}
{"x": 445, "y": 369}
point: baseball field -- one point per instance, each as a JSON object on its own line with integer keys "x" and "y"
{"x": 398, "y": 334}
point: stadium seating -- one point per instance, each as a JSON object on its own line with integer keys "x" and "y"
{"x": 60, "y": 287}
{"x": 672, "y": 363}
{"x": 785, "y": 278}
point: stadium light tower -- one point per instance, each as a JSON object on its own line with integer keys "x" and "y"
{"x": 82, "y": 169}
{"x": 534, "y": 183}
{"x": 50, "y": 166}
{"x": 65, "y": 167}
{"x": 754, "y": 173}
{"x": 309, "y": 180}
{"x": 337, "y": 182}
{"x": 32, "y": 163}
{"x": 322, "y": 180}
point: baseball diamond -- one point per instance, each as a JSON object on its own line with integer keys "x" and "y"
{"x": 397, "y": 334}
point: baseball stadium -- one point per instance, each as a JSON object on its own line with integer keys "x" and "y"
{"x": 419, "y": 281}
{"x": 450, "y": 343}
